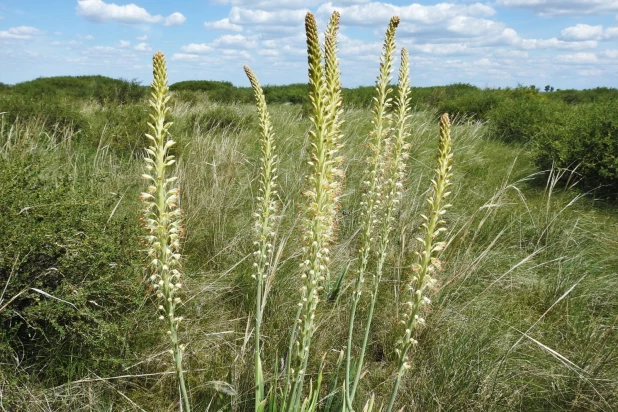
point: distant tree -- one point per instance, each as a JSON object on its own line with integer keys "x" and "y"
{"x": 548, "y": 88}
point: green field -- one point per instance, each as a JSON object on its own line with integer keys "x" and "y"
{"x": 524, "y": 316}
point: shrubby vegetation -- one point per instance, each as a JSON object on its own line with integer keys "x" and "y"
{"x": 556, "y": 124}
{"x": 67, "y": 267}
{"x": 100, "y": 88}
{"x": 582, "y": 138}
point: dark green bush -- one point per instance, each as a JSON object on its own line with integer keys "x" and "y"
{"x": 100, "y": 88}
{"x": 583, "y": 137}
{"x": 121, "y": 128}
{"x": 201, "y": 85}
{"x": 50, "y": 113}
{"x": 597, "y": 95}
{"x": 474, "y": 104}
{"x": 522, "y": 115}
{"x": 58, "y": 239}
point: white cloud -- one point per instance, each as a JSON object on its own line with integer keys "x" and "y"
{"x": 235, "y": 41}
{"x": 107, "y": 51}
{"x": 513, "y": 54}
{"x": 380, "y": 13}
{"x": 582, "y": 32}
{"x": 268, "y": 52}
{"x": 611, "y": 54}
{"x": 471, "y": 26}
{"x": 101, "y": 12}
{"x": 196, "y": 48}
{"x": 185, "y": 56}
{"x": 563, "y": 7}
{"x": 578, "y": 58}
{"x": 174, "y": 19}
{"x": 25, "y": 31}
{"x": 142, "y": 47}
{"x": 554, "y": 43}
{"x": 70, "y": 43}
{"x": 142, "y": 38}
{"x": 589, "y": 72}
{"x": 20, "y": 33}
{"x": 241, "y": 16}
{"x": 231, "y": 54}
{"x": 611, "y": 33}
{"x": 124, "y": 43}
{"x": 86, "y": 37}
{"x": 586, "y": 32}
{"x": 223, "y": 24}
{"x": 284, "y": 4}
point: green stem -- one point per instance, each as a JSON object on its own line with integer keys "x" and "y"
{"x": 400, "y": 371}
{"x": 259, "y": 378}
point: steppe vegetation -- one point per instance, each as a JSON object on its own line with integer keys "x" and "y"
{"x": 523, "y": 312}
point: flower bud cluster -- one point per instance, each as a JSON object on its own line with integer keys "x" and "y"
{"x": 161, "y": 213}
{"x": 380, "y": 143}
{"x": 324, "y": 181}
{"x": 427, "y": 263}
{"x": 266, "y": 209}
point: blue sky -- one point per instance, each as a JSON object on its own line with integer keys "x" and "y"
{"x": 498, "y": 43}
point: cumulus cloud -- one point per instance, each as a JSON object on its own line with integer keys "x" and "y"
{"x": 124, "y": 43}
{"x": 473, "y": 27}
{"x": 174, "y": 19}
{"x": 196, "y": 48}
{"x": 268, "y": 52}
{"x": 590, "y": 72}
{"x": 582, "y": 32}
{"x": 577, "y": 58}
{"x": 235, "y": 41}
{"x": 86, "y": 37}
{"x": 142, "y": 47}
{"x": 100, "y": 12}
{"x": 142, "y": 38}
{"x": 20, "y": 33}
{"x": 107, "y": 51}
{"x": 70, "y": 43}
{"x": 611, "y": 54}
{"x": 563, "y": 7}
{"x": 380, "y": 13}
{"x": 284, "y": 4}
{"x": 223, "y": 24}
{"x": 185, "y": 56}
{"x": 242, "y": 16}
{"x": 554, "y": 43}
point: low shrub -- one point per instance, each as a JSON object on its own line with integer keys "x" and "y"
{"x": 584, "y": 138}
{"x": 103, "y": 89}
{"x": 472, "y": 104}
{"x": 121, "y": 128}
{"x": 67, "y": 271}
{"x": 51, "y": 113}
{"x": 522, "y": 115}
